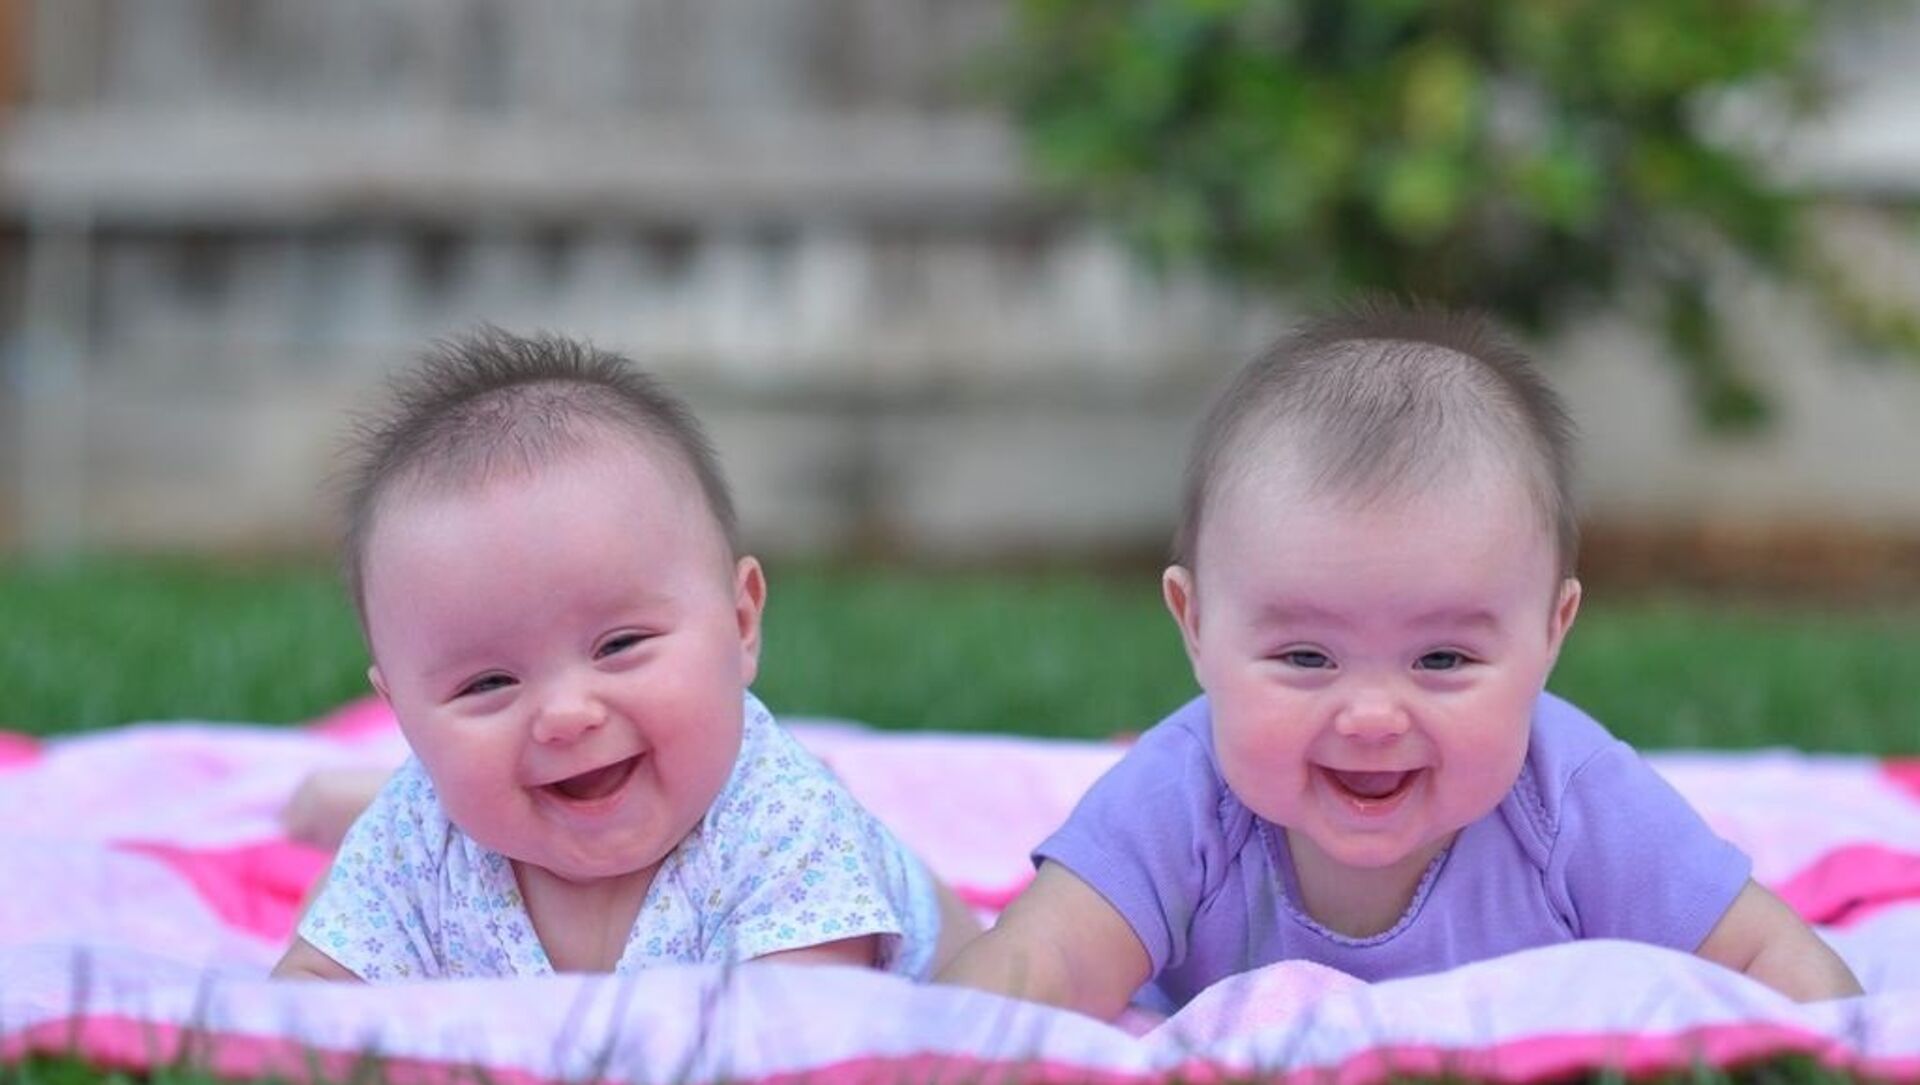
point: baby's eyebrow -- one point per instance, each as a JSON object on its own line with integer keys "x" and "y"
{"x": 1283, "y": 613}
{"x": 1468, "y": 617}
{"x": 1292, "y": 612}
{"x": 457, "y": 666}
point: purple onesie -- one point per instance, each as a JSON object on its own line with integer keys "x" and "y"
{"x": 1590, "y": 843}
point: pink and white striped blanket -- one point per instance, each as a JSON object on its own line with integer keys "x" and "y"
{"x": 145, "y": 888}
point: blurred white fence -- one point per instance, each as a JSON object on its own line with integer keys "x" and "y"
{"x": 226, "y": 219}
{"x": 236, "y": 215}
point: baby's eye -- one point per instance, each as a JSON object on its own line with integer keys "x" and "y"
{"x": 1445, "y": 660}
{"x": 616, "y": 644}
{"x": 1306, "y": 659}
{"x": 486, "y": 683}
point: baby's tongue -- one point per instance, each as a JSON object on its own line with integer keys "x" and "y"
{"x": 1370, "y": 785}
{"x": 596, "y": 784}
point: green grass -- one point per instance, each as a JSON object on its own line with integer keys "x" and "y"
{"x": 86, "y": 644}
{"x": 97, "y": 642}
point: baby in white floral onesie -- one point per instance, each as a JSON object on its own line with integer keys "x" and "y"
{"x": 544, "y": 558}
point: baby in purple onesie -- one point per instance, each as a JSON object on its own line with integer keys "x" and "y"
{"x": 1373, "y": 577}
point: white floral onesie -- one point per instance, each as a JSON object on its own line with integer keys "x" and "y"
{"x": 784, "y": 859}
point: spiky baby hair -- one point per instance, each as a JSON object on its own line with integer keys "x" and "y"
{"x": 1381, "y": 398}
{"x": 491, "y": 402}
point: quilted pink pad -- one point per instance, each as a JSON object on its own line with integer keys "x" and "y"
{"x": 148, "y": 889}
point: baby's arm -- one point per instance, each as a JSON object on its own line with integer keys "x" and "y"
{"x": 375, "y": 885}
{"x": 1763, "y": 938}
{"x": 326, "y": 802}
{"x": 302, "y": 961}
{"x": 1061, "y": 943}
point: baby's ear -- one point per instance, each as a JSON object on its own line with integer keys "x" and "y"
{"x": 379, "y": 683}
{"x": 749, "y": 602}
{"x": 1177, "y": 588}
{"x": 1565, "y": 609}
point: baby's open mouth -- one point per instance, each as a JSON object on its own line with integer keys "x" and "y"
{"x": 1372, "y": 786}
{"x": 596, "y": 783}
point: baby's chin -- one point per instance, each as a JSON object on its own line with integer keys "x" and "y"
{"x": 555, "y": 863}
{"x": 583, "y": 873}
{"x": 1403, "y": 845}
{"x": 1385, "y": 854}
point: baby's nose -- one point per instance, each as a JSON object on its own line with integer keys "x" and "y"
{"x": 1372, "y": 716}
{"x": 567, "y": 716}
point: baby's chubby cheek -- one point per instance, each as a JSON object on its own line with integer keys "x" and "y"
{"x": 1261, "y": 772}
{"x": 699, "y": 762}
{"x": 1479, "y": 779}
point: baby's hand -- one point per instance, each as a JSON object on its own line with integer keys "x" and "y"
{"x": 326, "y": 802}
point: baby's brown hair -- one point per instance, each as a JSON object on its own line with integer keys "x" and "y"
{"x": 1379, "y": 397}
{"x": 490, "y": 402}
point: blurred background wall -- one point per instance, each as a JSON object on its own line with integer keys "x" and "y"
{"x": 223, "y": 221}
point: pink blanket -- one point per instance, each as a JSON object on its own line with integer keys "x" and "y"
{"x": 145, "y": 888}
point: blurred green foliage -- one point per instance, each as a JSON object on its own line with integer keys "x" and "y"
{"x": 1526, "y": 157}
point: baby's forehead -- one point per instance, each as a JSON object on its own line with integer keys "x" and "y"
{"x": 1266, "y": 494}
{"x": 626, "y": 467}
{"x": 1373, "y": 468}
{"x": 1465, "y": 544}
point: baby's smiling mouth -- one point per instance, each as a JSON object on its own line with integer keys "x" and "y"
{"x": 595, "y": 783}
{"x": 1371, "y": 786}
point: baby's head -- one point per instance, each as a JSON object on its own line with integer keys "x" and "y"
{"x": 542, "y": 551}
{"x": 1385, "y": 402}
{"x": 1373, "y": 577}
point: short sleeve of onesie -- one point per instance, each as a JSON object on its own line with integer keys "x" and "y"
{"x": 371, "y": 916}
{"x": 1632, "y": 859}
{"x": 1152, "y": 835}
{"x": 792, "y": 860}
